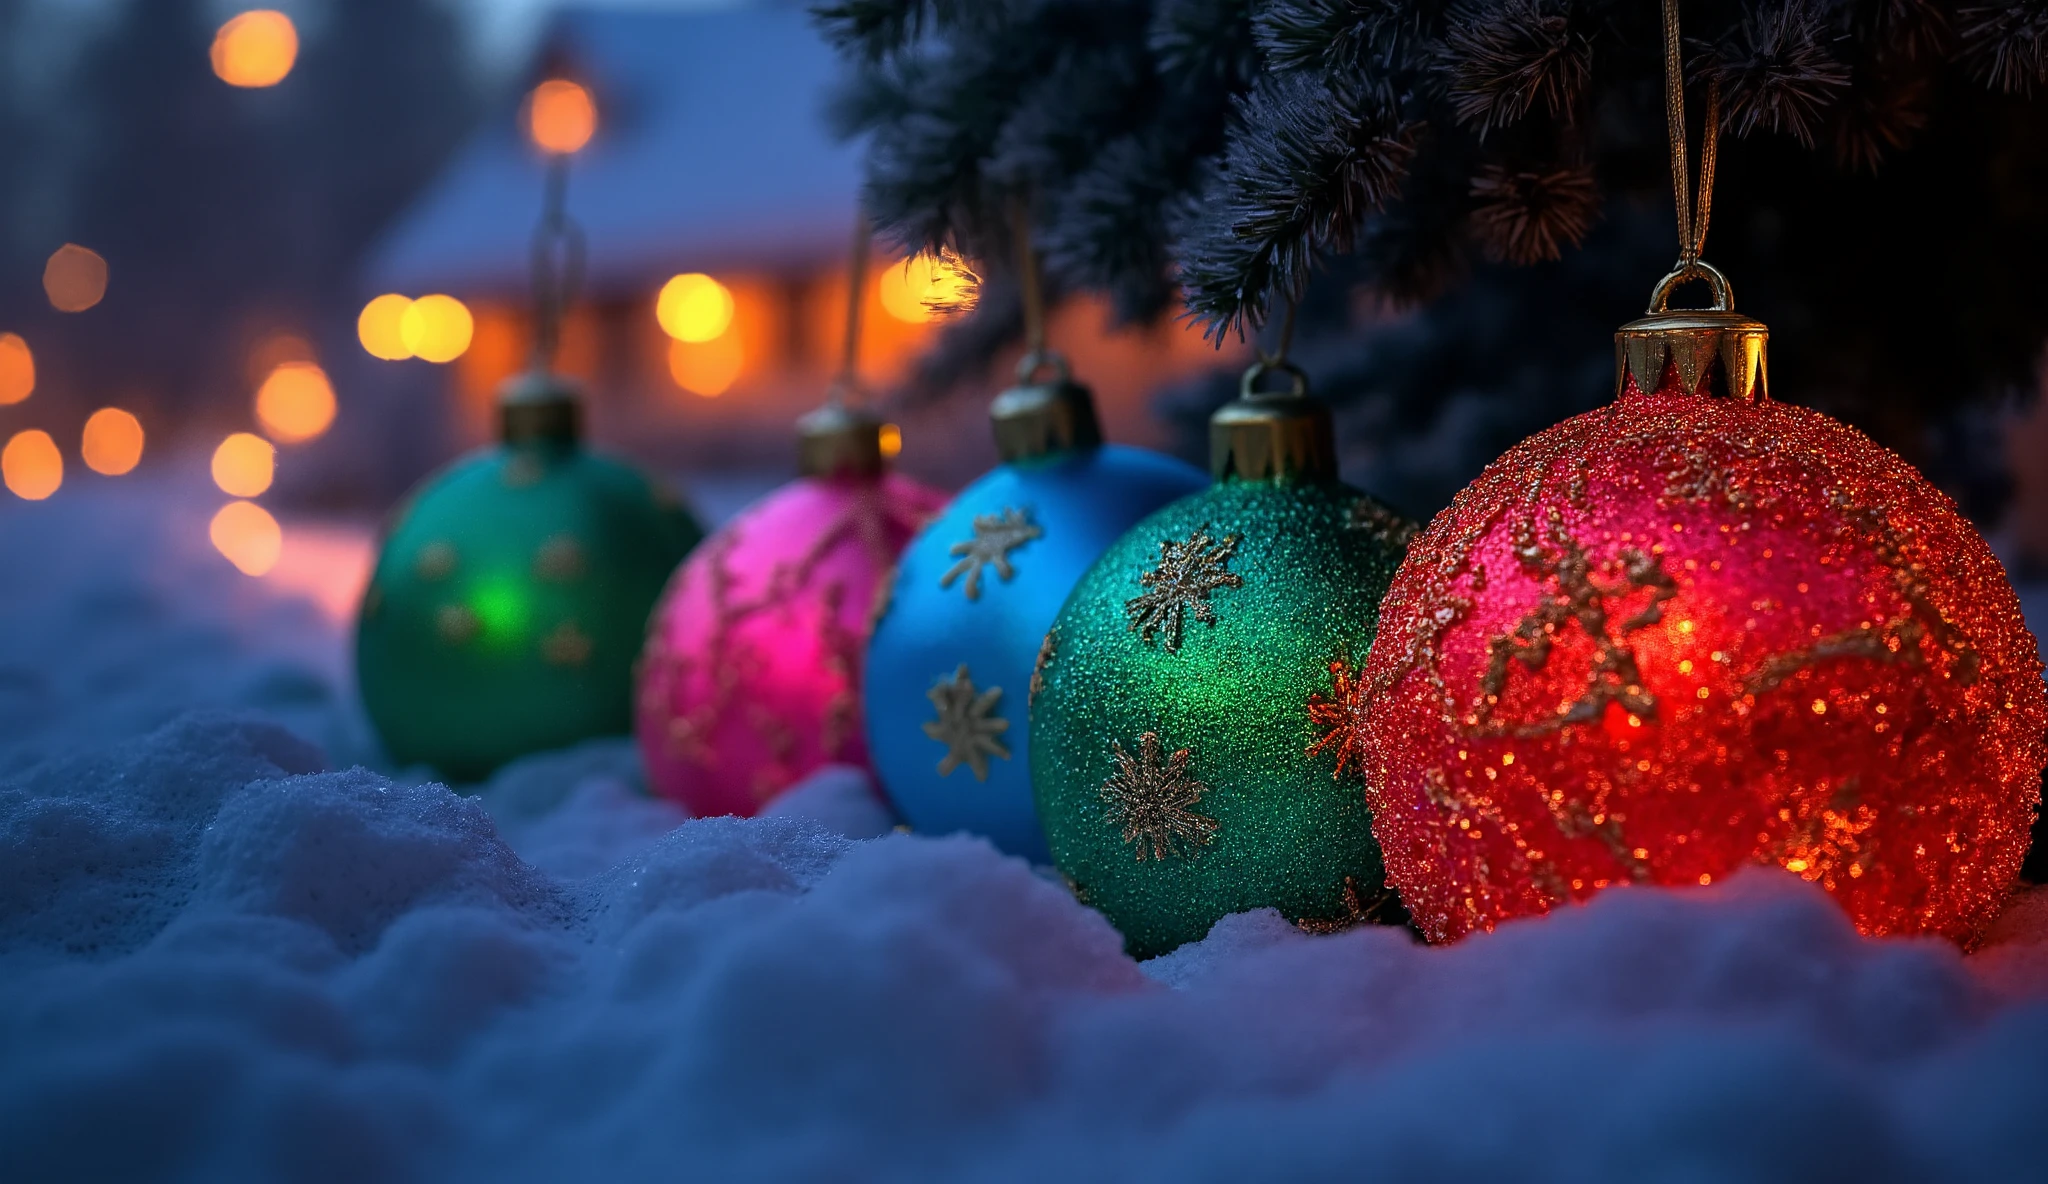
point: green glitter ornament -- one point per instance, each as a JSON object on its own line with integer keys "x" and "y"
{"x": 1194, "y": 749}
{"x": 511, "y": 594}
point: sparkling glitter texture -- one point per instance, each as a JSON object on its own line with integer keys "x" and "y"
{"x": 508, "y": 602}
{"x": 1681, "y": 634}
{"x": 749, "y": 679}
{"x": 1165, "y": 843}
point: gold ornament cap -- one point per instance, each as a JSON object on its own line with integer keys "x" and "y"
{"x": 1715, "y": 351}
{"x": 839, "y": 441}
{"x": 539, "y": 406}
{"x": 1041, "y": 416}
{"x": 1264, "y": 436}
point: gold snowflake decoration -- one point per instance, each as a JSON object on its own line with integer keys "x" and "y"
{"x": 995, "y": 536}
{"x": 1339, "y": 717}
{"x": 1187, "y": 573}
{"x": 966, "y": 724}
{"x": 1152, "y": 801}
{"x": 1048, "y": 649}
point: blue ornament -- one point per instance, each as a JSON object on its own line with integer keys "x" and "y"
{"x": 958, "y": 637}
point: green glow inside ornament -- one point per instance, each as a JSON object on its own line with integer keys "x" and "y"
{"x": 511, "y": 594}
{"x": 1194, "y": 749}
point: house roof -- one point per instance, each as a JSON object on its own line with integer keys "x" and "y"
{"x": 711, "y": 154}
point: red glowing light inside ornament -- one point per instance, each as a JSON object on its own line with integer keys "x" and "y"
{"x": 1682, "y": 634}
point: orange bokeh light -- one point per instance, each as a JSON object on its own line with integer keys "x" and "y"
{"x": 706, "y": 368}
{"x": 32, "y": 466}
{"x": 249, "y": 537}
{"x": 17, "y": 369}
{"x": 112, "y": 442}
{"x": 436, "y": 328}
{"x": 256, "y": 48}
{"x": 380, "y": 330}
{"x": 75, "y": 278}
{"x": 244, "y": 465}
{"x": 296, "y": 403}
{"x": 694, "y": 308}
{"x": 560, "y": 116}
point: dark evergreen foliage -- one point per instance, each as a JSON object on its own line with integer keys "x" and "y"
{"x": 1496, "y": 162}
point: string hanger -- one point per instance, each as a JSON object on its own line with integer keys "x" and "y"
{"x": 846, "y": 386}
{"x": 1275, "y": 362}
{"x": 1694, "y": 205}
{"x": 558, "y": 252}
{"x": 1030, "y": 288}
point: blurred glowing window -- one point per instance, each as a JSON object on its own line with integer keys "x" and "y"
{"x": 694, "y": 307}
{"x": 249, "y": 537}
{"x": 17, "y": 369}
{"x": 112, "y": 443}
{"x": 296, "y": 403}
{"x": 892, "y": 439}
{"x": 32, "y": 466}
{"x": 560, "y": 116}
{"x": 436, "y": 328}
{"x": 706, "y": 368}
{"x": 910, "y": 291}
{"x": 256, "y": 48}
{"x": 75, "y": 278}
{"x": 244, "y": 464}
{"x": 379, "y": 328}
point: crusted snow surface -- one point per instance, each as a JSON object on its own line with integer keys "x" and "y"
{"x": 224, "y": 957}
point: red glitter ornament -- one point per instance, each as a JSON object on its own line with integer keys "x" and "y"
{"x": 750, "y": 676}
{"x": 1689, "y": 632}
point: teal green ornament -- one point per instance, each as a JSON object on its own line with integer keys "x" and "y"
{"x": 951, "y": 662}
{"x": 1195, "y": 745}
{"x": 511, "y": 594}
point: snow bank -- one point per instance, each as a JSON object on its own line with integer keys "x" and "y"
{"x": 221, "y": 958}
{"x": 217, "y": 960}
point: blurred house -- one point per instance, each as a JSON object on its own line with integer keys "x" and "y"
{"x": 711, "y": 157}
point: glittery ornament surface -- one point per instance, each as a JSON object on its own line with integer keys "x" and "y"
{"x": 1681, "y": 634}
{"x": 1182, "y": 782}
{"x": 751, "y": 671}
{"x": 508, "y": 603}
{"x": 978, "y": 588}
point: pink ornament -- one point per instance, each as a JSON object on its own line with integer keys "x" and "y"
{"x": 751, "y": 673}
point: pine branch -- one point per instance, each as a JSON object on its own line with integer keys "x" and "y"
{"x": 1526, "y": 216}
{"x": 1203, "y": 46}
{"x": 2006, "y": 45}
{"x": 1881, "y": 116}
{"x": 1777, "y": 73}
{"x": 1504, "y": 57}
{"x": 1337, "y": 36}
{"x": 1309, "y": 162}
{"x": 873, "y": 29}
{"x": 1108, "y": 230}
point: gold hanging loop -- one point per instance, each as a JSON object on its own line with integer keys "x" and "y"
{"x": 1273, "y": 435}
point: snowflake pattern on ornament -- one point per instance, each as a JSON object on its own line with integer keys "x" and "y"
{"x": 1340, "y": 718}
{"x": 995, "y": 536}
{"x": 1152, "y": 801}
{"x": 1187, "y": 573}
{"x": 966, "y": 725}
